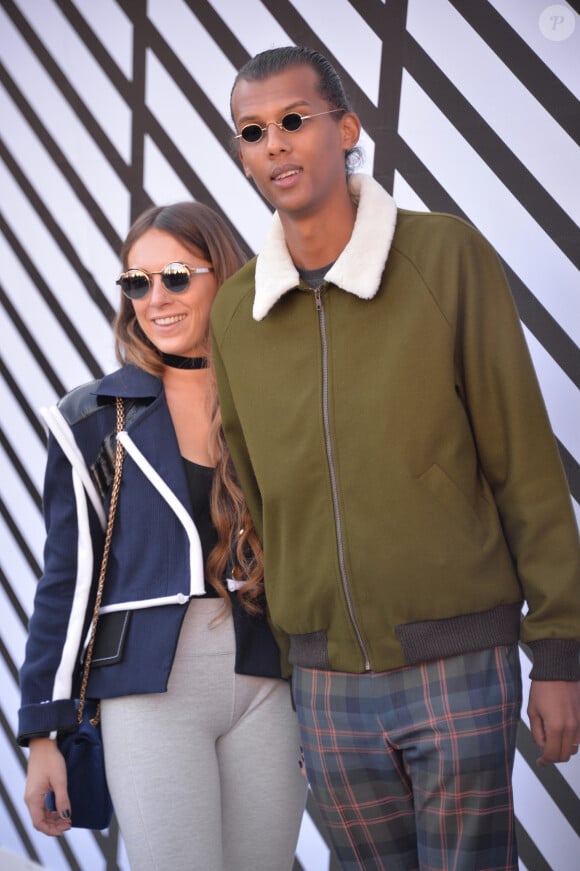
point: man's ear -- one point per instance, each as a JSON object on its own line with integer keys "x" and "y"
{"x": 351, "y": 127}
{"x": 244, "y": 167}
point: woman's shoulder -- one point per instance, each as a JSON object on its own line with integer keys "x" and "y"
{"x": 129, "y": 382}
{"x": 80, "y": 401}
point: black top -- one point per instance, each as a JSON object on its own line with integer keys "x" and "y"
{"x": 314, "y": 277}
{"x": 199, "y": 483}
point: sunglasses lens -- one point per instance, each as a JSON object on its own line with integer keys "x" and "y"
{"x": 175, "y": 277}
{"x": 134, "y": 284}
{"x": 252, "y": 133}
{"x": 292, "y": 122}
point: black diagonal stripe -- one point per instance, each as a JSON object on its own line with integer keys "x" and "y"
{"x": 219, "y": 31}
{"x": 187, "y": 174}
{"x": 71, "y": 96}
{"x": 374, "y": 14}
{"x": 22, "y": 401}
{"x": 96, "y": 48}
{"x": 237, "y": 55}
{"x": 188, "y": 85}
{"x": 4, "y": 652}
{"x": 572, "y": 470}
{"x": 31, "y": 343}
{"x": 301, "y": 33}
{"x": 524, "y": 63}
{"x": 20, "y": 470}
{"x": 553, "y": 782}
{"x": 184, "y": 165}
{"x": 54, "y": 305}
{"x": 14, "y": 816}
{"x": 544, "y": 327}
{"x": 536, "y": 318}
{"x": 512, "y": 173}
{"x": 19, "y": 610}
{"x": 19, "y": 539}
{"x": 93, "y": 129}
{"x": 77, "y": 186}
{"x": 528, "y": 852}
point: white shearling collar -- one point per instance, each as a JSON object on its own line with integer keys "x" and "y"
{"x": 360, "y": 265}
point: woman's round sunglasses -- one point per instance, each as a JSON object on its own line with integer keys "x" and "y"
{"x": 136, "y": 283}
{"x": 291, "y": 123}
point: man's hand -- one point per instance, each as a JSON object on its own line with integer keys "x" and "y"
{"x": 554, "y": 712}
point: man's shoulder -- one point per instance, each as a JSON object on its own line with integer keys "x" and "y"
{"x": 418, "y": 228}
{"x": 236, "y": 292}
{"x": 433, "y": 222}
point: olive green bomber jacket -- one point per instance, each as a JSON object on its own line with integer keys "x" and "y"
{"x": 395, "y": 452}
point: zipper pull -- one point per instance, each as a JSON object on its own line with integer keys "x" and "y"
{"x": 317, "y": 297}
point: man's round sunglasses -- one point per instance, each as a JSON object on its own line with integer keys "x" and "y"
{"x": 136, "y": 283}
{"x": 291, "y": 123}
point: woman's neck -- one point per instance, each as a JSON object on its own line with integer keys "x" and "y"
{"x": 187, "y": 392}
{"x": 176, "y": 361}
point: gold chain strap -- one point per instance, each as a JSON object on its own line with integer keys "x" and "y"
{"x": 104, "y": 561}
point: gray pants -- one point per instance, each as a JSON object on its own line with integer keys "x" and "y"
{"x": 206, "y": 777}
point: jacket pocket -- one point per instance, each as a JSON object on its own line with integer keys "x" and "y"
{"x": 447, "y": 496}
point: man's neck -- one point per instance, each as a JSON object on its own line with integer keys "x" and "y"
{"x": 316, "y": 240}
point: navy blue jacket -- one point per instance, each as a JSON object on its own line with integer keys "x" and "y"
{"x": 155, "y": 563}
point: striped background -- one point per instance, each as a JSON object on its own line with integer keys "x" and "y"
{"x": 105, "y": 107}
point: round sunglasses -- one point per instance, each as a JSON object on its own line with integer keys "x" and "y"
{"x": 291, "y": 123}
{"x": 136, "y": 283}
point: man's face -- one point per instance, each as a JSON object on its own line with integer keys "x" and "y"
{"x": 297, "y": 172}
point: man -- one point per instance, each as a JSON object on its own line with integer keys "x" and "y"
{"x": 389, "y": 434}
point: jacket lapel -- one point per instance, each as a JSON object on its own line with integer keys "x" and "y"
{"x": 149, "y": 424}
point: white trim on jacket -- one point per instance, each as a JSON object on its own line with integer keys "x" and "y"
{"x": 196, "y": 570}
{"x": 63, "y": 434}
{"x": 58, "y": 426}
{"x": 62, "y": 686}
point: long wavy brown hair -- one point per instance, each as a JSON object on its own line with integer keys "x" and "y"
{"x": 199, "y": 228}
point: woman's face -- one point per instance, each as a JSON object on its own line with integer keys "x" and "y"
{"x": 176, "y": 323}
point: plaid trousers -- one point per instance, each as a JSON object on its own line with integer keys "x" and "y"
{"x": 411, "y": 768}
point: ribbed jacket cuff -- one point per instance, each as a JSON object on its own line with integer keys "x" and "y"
{"x": 555, "y": 659}
{"x": 40, "y": 719}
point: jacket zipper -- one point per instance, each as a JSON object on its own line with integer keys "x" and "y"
{"x": 333, "y": 477}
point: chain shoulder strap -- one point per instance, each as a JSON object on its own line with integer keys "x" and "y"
{"x": 106, "y": 548}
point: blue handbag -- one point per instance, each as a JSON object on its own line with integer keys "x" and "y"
{"x": 90, "y": 802}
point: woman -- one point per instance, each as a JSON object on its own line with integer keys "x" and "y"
{"x": 187, "y": 670}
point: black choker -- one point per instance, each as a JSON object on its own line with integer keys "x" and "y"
{"x": 178, "y": 362}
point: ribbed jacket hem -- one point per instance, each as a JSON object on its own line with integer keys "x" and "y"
{"x": 439, "y": 639}
{"x": 425, "y": 640}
